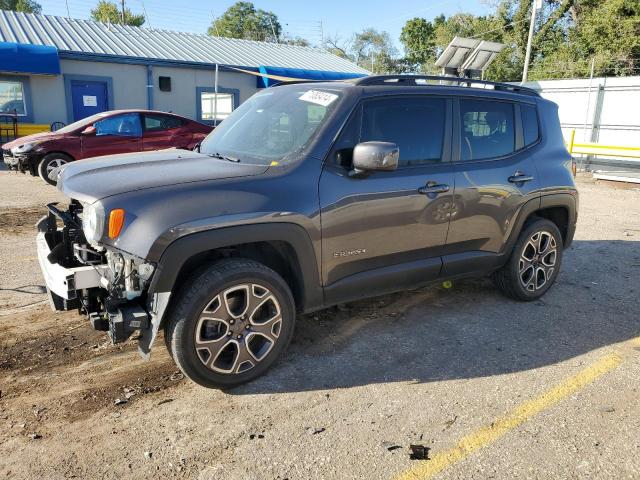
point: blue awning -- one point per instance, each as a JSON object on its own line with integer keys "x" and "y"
{"x": 23, "y": 58}
{"x": 300, "y": 74}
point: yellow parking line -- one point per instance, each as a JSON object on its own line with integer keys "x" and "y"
{"x": 516, "y": 417}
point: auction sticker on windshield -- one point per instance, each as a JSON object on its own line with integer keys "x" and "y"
{"x": 319, "y": 98}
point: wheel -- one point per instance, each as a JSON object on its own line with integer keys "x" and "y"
{"x": 534, "y": 263}
{"x": 230, "y": 323}
{"x": 49, "y": 162}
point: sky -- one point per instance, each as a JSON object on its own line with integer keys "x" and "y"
{"x": 298, "y": 17}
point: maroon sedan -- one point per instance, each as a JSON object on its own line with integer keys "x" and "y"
{"x": 106, "y": 133}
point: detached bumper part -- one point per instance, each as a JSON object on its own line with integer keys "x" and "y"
{"x": 125, "y": 320}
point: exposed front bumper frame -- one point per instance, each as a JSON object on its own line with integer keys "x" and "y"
{"x": 65, "y": 282}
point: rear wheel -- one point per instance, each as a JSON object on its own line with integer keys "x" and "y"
{"x": 230, "y": 323}
{"x": 50, "y": 162}
{"x": 534, "y": 263}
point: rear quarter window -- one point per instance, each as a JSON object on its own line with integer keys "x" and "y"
{"x": 530, "y": 129}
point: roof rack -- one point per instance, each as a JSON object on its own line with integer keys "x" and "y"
{"x": 421, "y": 80}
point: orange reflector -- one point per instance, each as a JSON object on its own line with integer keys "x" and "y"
{"x": 574, "y": 168}
{"x": 116, "y": 221}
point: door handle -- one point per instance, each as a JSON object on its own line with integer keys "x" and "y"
{"x": 520, "y": 177}
{"x": 433, "y": 187}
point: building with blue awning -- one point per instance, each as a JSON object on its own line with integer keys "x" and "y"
{"x": 60, "y": 69}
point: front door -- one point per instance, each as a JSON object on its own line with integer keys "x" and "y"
{"x": 120, "y": 133}
{"x": 494, "y": 176}
{"x": 395, "y": 219}
{"x": 88, "y": 98}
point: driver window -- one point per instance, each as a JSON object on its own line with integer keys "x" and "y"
{"x": 126, "y": 125}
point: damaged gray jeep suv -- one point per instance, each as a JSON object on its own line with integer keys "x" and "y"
{"x": 309, "y": 195}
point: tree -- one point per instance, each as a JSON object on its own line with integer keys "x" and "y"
{"x": 242, "y": 20}
{"x": 297, "y": 41}
{"x": 108, "y": 12}
{"x": 418, "y": 38}
{"x": 338, "y": 46}
{"x": 26, "y": 6}
{"x": 374, "y": 50}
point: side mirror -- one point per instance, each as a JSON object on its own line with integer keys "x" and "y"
{"x": 369, "y": 156}
{"x": 90, "y": 130}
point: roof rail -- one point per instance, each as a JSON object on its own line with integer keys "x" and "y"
{"x": 421, "y": 80}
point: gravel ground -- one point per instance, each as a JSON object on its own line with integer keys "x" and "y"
{"x": 358, "y": 385}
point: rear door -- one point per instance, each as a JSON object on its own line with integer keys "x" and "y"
{"x": 164, "y": 131}
{"x": 120, "y": 133}
{"x": 387, "y": 219}
{"x": 494, "y": 176}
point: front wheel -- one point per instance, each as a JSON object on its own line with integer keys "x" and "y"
{"x": 50, "y": 162}
{"x": 230, "y": 323}
{"x": 534, "y": 263}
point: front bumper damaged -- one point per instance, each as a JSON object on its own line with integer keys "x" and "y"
{"x": 21, "y": 162}
{"x": 78, "y": 277}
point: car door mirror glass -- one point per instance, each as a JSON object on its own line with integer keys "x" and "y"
{"x": 370, "y": 156}
{"x": 90, "y": 130}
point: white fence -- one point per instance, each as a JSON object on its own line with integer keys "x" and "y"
{"x": 601, "y": 110}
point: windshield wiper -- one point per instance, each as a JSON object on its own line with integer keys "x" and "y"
{"x": 224, "y": 157}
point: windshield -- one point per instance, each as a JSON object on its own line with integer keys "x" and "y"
{"x": 274, "y": 125}
{"x": 82, "y": 123}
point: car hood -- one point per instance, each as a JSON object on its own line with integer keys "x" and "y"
{"x": 39, "y": 137}
{"x": 101, "y": 177}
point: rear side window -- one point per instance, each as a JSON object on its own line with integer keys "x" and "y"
{"x": 529, "y": 124}
{"x": 415, "y": 124}
{"x": 161, "y": 122}
{"x": 487, "y": 129}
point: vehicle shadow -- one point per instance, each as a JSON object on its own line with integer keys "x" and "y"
{"x": 467, "y": 331}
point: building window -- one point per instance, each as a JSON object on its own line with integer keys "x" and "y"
{"x": 211, "y": 111}
{"x": 12, "y": 97}
{"x": 164, "y": 83}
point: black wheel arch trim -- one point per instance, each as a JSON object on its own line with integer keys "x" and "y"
{"x": 179, "y": 251}
{"x": 564, "y": 200}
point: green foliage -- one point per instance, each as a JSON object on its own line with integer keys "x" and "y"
{"x": 242, "y": 20}
{"x": 27, "y": 6}
{"x": 109, "y": 12}
{"x": 569, "y": 34}
{"x": 418, "y": 39}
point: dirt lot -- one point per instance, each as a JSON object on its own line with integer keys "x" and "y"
{"x": 492, "y": 388}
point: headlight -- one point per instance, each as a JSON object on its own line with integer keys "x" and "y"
{"x": 24, "y": 148}
{"x": 93, "y": 222}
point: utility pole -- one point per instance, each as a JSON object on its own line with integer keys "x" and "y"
{"x": 273, "y": 30}
{"x": 527, "y": 58}
{"x": 122, "y": 14}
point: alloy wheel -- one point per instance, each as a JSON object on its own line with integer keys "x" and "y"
{"x": 238, "y": 328}
{"x": 538, "y": 261}
{"x": 53, "y": 164}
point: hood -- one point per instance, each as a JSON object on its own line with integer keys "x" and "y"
{"x": 42, "y": 136}
{"x": 101, "y": 177}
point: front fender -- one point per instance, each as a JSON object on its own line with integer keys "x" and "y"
{"x": 178, "y": 252}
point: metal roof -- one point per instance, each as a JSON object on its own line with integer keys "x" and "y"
{"x": 88, "y": 37}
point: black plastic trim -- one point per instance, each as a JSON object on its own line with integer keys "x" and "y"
{"x": 178, "y": 252}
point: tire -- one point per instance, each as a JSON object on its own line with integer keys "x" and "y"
{"x": 49, "y": 162}
{"x": 220, "y": 343}
{"x": 526, "y": 280}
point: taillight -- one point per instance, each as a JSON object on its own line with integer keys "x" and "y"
{"x": 116, "y": 222}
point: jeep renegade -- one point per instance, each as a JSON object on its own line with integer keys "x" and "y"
{"x": 308, "y": 195}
